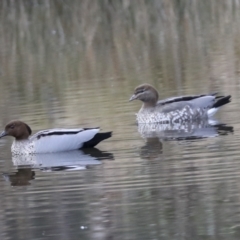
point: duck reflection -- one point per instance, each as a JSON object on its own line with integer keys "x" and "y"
{"x": 20, "y": 178}
{"x": 184, "y": 131}
{"x": 152, "y": 148}
{"x": 60, "y": 161}
{"x": 155, "y": 134}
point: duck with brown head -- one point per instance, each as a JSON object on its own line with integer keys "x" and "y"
{"x": 17, "y": 129}
{"x": 147, "y": 94}
{"x": 51, "y": 140}
{"x": 175, "y": 109}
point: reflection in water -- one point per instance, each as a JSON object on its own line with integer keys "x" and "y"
{"x": 61, "y": 161}
{"x": 71, "y": 160}
{"x": 154, "y": 134}
{"x": 184, "y": 131}
{"x": 66, "y": 63}
{"x": 151, "y": 149}
{"x": 20, "y": 178}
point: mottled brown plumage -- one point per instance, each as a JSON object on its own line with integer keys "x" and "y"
{"x": 175, "y": 109}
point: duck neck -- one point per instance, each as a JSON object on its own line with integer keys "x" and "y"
{"x": 149, "y": 104}
{"x": 22, "y": 138}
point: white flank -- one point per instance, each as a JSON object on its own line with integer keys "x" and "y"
{"x": 65, "y": 142}
{"x": 212, "y": 111}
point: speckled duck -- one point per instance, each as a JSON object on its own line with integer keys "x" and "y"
{"x": 51, "y": 140}
{"x": 175, "y": 109}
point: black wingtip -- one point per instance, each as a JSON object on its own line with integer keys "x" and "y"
{"x": 222, "y": 101}
{"x": 97, "y": 139}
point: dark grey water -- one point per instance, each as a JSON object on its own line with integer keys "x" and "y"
{"x": 76, "y": 65}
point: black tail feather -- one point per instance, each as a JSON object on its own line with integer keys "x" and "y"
{"x": 97, "y": 139}
{"x": 222, "y": 101}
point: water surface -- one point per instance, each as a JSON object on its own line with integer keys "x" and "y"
{"x": 76, "y": 65}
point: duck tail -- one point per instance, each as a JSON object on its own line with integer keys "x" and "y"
{"x": 222, "y": 101}
{"x": 97, "y": 139}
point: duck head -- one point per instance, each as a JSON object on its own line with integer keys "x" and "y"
{"x": 17, "y": 129}
{"x": 146, "y": 93}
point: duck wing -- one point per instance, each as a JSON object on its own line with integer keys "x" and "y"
{"x": 210, "y": 103}
{"x": 184, "y": 98}
{"x": 57, "y": 140}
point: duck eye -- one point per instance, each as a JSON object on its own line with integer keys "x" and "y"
{"x": 141, "y": 90}
{"x": 12, "y": 126}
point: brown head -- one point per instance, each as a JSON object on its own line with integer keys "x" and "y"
{"x": 17, "y": 129}
{"x": 146, "y": 93}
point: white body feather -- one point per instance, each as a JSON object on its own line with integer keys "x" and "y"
{"x": 54, "y": 140}
{"x": 212, "y": 111}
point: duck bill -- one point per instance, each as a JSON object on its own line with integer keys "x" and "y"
{"x": 3, "y": 134}
{"x": 133, "y": 97}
